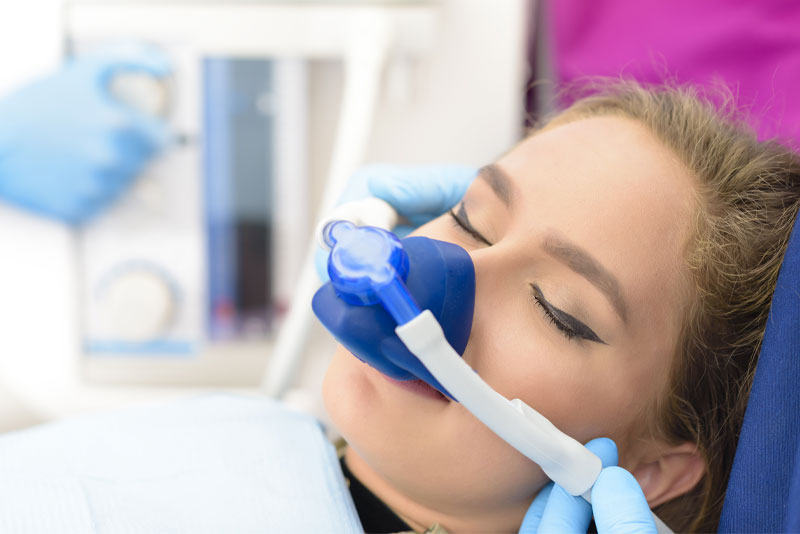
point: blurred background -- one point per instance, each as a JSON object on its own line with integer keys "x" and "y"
{"x": 183, "y": 282}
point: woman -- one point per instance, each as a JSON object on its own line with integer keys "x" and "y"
{"x": 625, "y": 257}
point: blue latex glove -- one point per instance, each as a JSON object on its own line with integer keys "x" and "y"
{"x": 67, "y": 147}
{"x": 419, "y": 193}
{"x": 618, "y": 504}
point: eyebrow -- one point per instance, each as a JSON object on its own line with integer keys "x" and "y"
{"x": 587, "y": 266}
{"x": 499, "y": 181}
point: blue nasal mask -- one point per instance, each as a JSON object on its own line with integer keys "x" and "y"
{"x": 379, "y": 282}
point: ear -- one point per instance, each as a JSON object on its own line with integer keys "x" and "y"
{"x": 675, "y": 471}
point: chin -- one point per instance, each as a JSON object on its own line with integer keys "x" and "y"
{"x": 424, "y": 448}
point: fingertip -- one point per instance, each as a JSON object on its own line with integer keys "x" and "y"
{"x": 619, "y": 503}
{"x": 605, "y": 449}
{"x": 620, "y": 478}
{"x": 617, "y": 487}
{"x": 139, "y": 56}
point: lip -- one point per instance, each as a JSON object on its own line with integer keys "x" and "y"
{"x": 418, "y": 387}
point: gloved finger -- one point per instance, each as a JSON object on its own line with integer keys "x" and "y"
{"x": 356, "y": 188}
{"x": 428, "y": 190}
{"x": 131, "y": 149}
{"x": 109, "y": 163}
{"x": 403, "y": 230}
{"x": 129, "y": 56}
{"x": 152, "y": 131}
{"x": 619, "y": 505}
{"x": 605, "y": 449}
{"x": 565, "y": 513}
{"x": 88, "y": 196}
{"x": 134, "y": 140}
{"x": 533, "y": 517}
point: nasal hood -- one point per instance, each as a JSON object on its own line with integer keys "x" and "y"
{"x": 440, "y": 278}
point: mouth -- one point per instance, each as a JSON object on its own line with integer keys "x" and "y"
{"x": 418, "y": 387}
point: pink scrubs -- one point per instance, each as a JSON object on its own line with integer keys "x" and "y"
{"x": 752, "y": 46}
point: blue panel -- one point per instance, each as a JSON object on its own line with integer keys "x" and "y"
{"x": 220, "y": 231}
{"x": 758, "y": 497}
{"x": 238, "y": 165}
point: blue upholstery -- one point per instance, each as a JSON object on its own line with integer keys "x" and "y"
{"x": 793, "y": 519}
{"x": 764, "y": 488}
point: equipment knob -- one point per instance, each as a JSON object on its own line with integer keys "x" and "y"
{"x": 137, "y": 305}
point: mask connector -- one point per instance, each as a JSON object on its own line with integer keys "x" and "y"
{"x": 369, "y": 266}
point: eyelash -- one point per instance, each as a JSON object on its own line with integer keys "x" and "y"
{"x": 568, "y": 332}
{"x": 468, "y": 228}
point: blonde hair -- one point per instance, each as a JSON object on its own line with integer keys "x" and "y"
{"x": 748, "y": 195}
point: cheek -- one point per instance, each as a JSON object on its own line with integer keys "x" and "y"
{"x": 586, "y": 394}
{"x": 343, "y": 388}
{"x": 426, "y": 453}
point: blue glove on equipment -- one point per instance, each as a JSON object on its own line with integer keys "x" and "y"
{"x": 67, "y": 147}
{"x": 419, "y": 193}
{"x": 618, "y": 504}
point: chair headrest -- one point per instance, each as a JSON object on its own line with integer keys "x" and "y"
{"x": 763, "y": 492}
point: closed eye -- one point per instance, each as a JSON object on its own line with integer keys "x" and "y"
{"x": 462, "y": 221}
{"x": 568, "y": 325}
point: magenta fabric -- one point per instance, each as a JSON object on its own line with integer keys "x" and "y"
{"x": 752, "y": 46}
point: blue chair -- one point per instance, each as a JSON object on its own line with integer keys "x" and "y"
{"x": 764, "y": 489}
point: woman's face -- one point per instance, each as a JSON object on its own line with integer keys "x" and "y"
{"x": 576, "y": 236}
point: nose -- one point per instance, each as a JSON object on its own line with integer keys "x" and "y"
{"x": 440, "y": 279}
{"x": 490, "y": 285}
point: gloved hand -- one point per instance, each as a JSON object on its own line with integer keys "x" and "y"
{"x": 618, "y": 504}
{"x": 67, "y": 147}
{"x": 419, "y": 193}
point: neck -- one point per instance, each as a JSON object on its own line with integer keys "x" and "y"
{"x": 420, "y": 516}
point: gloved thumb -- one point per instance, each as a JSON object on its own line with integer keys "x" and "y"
{"x": 555, "y": 510}
{"x": 129, "y": 56}
{"x": 422, "y": 192}
{"x": 619, "y": 505}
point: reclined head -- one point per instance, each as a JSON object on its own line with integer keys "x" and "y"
{"x": 625, "y": 255}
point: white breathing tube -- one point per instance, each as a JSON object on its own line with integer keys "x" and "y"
{"x": 563, "y": 459}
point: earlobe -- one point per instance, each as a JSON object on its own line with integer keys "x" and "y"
{"x": 676, "y": 471}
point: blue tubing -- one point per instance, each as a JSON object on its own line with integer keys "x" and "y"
{"x": 398, "y": 301}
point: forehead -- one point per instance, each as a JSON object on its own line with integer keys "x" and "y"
{"x": 610, "y": 186}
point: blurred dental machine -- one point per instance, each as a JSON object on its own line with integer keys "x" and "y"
{"x": 187, "y": 279}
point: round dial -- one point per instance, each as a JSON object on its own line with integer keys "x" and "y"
{"x": 137, "y": 305}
